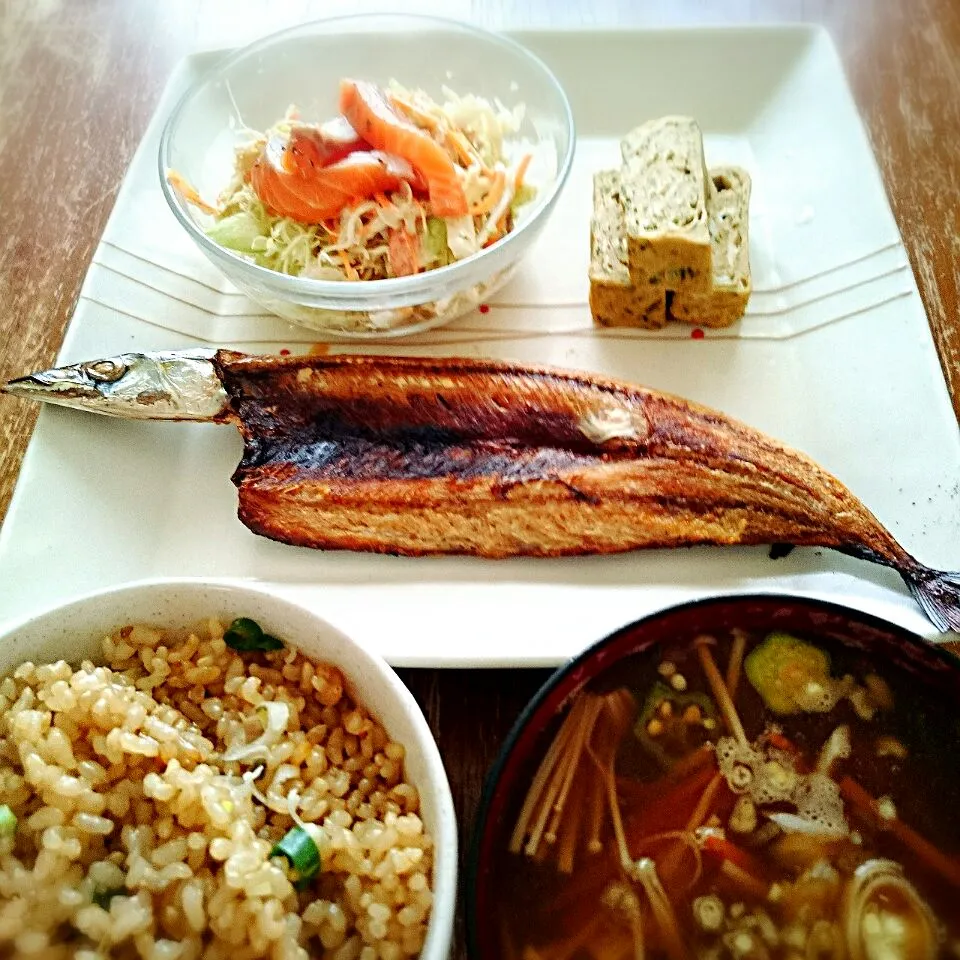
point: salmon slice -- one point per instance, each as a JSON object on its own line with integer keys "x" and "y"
{"x": 291, "y": 182}
{"x": 328, "y": 142}
{"x": 369, "y": 112}
{"x": 404, "y": 252}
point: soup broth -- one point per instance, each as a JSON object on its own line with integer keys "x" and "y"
{"x": 737, "y": 796}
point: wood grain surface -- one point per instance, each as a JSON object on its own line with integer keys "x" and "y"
{"x": 80, "y": 80}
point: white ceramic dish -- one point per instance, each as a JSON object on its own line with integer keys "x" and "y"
{"x": 835, "y": 357}
{"x": 74, "y": 631}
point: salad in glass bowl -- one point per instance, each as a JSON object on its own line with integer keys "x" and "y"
{"x": 371, "y": 208}
{"x": 396, "y": 184}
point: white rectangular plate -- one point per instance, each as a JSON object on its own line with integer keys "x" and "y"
{"x": 835, "y": 357}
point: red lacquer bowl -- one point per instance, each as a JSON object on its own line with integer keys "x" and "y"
{"x": 935, "y": 671}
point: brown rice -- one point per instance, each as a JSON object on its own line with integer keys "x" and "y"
{"x": 135, "y": 836}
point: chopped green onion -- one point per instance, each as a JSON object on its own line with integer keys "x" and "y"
{"x": 102, "y": 898}
{"x": 302, "y": 852}
{"x": 245, "y": 634}
{"x": 8, "y": 821}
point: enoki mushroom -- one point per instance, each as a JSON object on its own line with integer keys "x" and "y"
{"x": 563, "y": 810}
{"x": 645, "y": 873}
{"x": 735, "y": 664}
{"x": 719, "y": 689}
{"x": 621, "y": 899}
{"x": 681, "y": 841}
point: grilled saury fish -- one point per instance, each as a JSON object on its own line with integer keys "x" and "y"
{"x": 417, "y": 456}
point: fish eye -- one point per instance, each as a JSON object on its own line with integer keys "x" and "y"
{"x": 105, "y": 371}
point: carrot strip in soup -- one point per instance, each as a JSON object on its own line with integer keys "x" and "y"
{"x": 670, "y": 809}
{"x": 725, "y": 850}
{"x": 779, "y": 741}
{"x": 702, "y": 810}
{"x": 932, "y": 857}
{"x": 701, "y": 757}
{"x": 743, "y": 881}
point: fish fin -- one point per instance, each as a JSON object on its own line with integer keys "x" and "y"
{"x": 938, "y": 592}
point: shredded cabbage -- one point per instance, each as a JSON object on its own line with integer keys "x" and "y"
{"x": 356, "y": 247}
{"x": 277, "y": 714}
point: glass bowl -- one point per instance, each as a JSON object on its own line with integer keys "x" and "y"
{"x": 903, "y": 657}
{"x": 252, "y": 89}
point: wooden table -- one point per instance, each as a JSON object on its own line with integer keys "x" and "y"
{"x": 79, "y": 82}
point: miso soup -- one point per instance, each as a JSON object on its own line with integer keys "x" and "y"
{"x": 742, "y": 795}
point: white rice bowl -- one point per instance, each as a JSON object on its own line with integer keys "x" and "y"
{"x": 137, "y": 833}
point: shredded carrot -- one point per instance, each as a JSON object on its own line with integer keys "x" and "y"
{"x": 464, "y": 150}
{"x": 492, "y": 196}
{"x": 188, "y": 193}
{"x": 923, "y": 849}
{"x": 413, "y": 113}
{"x": 383, "y": 200}
{"x": 348, "y": 267}
{"x": 521, "y": 171}
{"x": 332, "y": 228}
{"x": 499, "y": 231}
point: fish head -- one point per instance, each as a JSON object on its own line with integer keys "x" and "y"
{"x": 172, "y": 385}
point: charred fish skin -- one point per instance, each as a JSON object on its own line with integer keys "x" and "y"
{"x": 164, "y": 385}
{"x": 407, "y": 433}
{"x": 417, "y": 456}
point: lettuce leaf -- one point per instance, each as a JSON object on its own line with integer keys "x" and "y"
{"x": 435, "y": 249}
{"x": 237, "y": 232}
{"x": 524, "y": 195}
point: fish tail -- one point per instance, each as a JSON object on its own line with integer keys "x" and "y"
{"x": 938, "y": 592}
